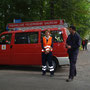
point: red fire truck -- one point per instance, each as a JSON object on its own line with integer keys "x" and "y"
{"x": 23, "y": 47}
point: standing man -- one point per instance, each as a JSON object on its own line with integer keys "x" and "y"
{"x": 72, "y": 44}
{"x": 86, "y": 42}
{"x": 47, "y": 46}
{"x": 83, "y": 44}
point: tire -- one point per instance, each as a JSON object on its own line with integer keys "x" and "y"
{"x": 54, "y": 63}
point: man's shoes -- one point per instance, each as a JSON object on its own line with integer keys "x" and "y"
{"x": 44, "y": 73}
{"x": 51, "y": 75}
{"x": 69, "y": 80}
{"x": 75, "y": 75}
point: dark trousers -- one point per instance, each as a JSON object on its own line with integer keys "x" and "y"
{"x": 86, "y": 47}
{"x": 73, "y": 60}
{"x": 47, "y": 57}
{"x": 83, "y": 47}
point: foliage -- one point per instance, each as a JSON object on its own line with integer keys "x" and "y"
{"x": 75, "y": 12}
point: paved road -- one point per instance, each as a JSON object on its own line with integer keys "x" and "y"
{"x": 28, "y": 78}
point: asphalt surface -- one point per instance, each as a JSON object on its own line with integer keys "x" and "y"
{"x": 30, "y": 78}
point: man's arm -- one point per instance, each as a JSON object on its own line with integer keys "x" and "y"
{"x": 42, "y": 44}
{"x": 52, "y": 43}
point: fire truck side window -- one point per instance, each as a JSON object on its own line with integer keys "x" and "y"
{"x": 26, "y": 38}
{"x": 33, "y": 37}
{"x": 67, "y": 31}
{"x": 5, "y": 39}
{"x": 21, "y": 38}
{"x": 56, "y": 35}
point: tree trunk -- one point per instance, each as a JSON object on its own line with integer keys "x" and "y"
{"x": 51, "y": 9}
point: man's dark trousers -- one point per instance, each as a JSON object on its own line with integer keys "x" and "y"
{"x": 73, "y": 60}
{"x": 47, "y": 57}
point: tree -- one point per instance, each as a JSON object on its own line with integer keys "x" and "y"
{"x": 75, "y": 12}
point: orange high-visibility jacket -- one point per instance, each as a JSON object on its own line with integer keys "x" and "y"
{"x": 47, "y": 44}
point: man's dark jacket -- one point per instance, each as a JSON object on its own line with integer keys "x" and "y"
{"x": 74, "y": 41}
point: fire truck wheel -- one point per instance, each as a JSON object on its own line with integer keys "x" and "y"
{"x": 54, "y": 63}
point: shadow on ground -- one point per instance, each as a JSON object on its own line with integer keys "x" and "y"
{"x": 30, "y": 68}
{"x": 21, "y": 68}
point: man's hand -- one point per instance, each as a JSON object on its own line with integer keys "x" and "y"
{"x": 46, "y": 52}
{"x": 68, "y": 46}
{"x": 51, "y": 48}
